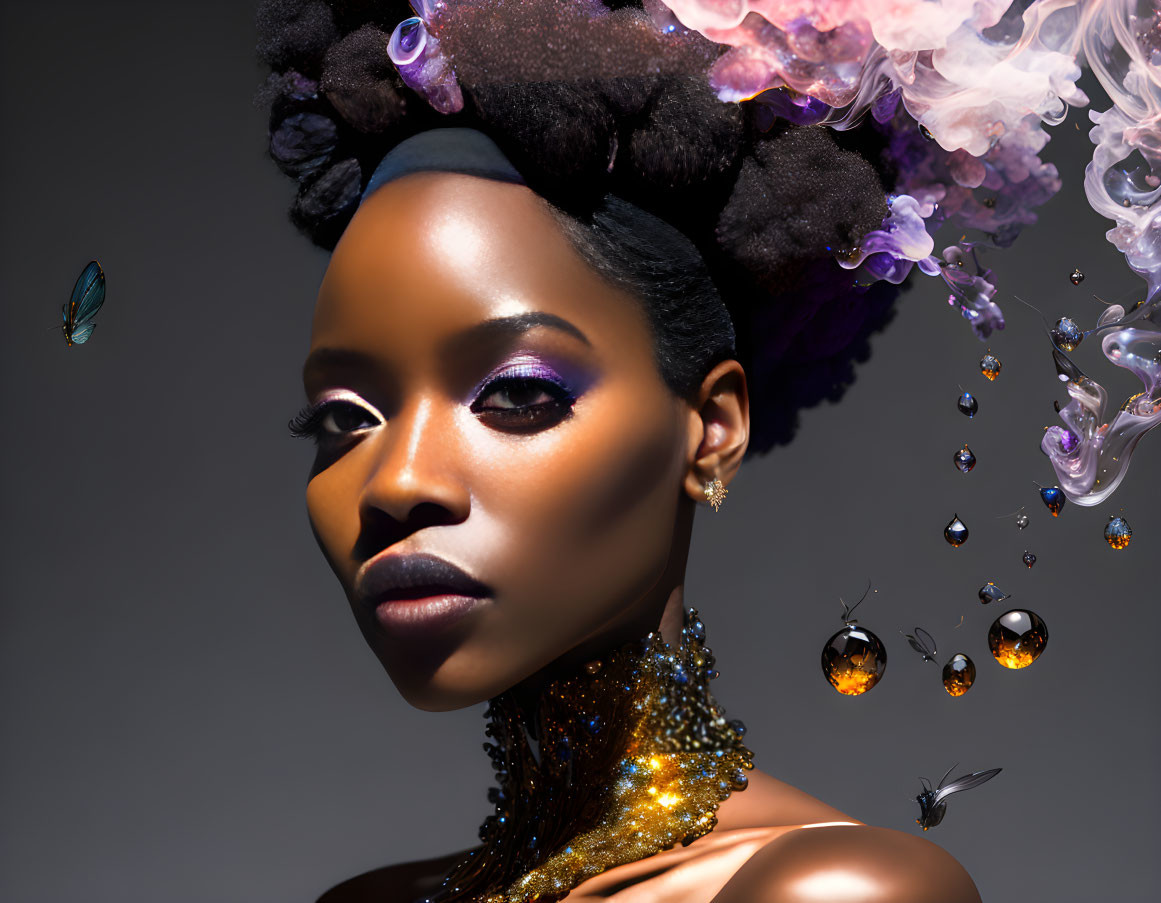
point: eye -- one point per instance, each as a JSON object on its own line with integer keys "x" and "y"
{"x": 332, "y": 420}
{"x": 524, "y": 399}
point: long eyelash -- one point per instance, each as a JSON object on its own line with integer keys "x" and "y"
{"x": 561, "y": 395}
{"x": 307, "y": 423}
{"x": 557, "y": 390}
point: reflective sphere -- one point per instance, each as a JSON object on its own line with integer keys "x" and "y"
{"x": 1076, "y": 277}
{"x": 1017, "y": 638}
{"x": 958, "y": 675}
{"x": 1118, "y": 533}
{"x": 1021, "y": 520}
{"x": 853, "y": 660}
{"x": 964, "y": 460}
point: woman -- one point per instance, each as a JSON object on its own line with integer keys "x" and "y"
{"x": 522, "y": 381}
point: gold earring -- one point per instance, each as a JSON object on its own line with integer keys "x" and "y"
{"x": 715, "y": 492}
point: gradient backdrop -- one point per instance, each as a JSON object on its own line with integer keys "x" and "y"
{"x": 189, "y": 713}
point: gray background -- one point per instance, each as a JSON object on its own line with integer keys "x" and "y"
{"x": 189, "y": 713}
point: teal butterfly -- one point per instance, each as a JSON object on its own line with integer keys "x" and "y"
{"x": 87, "y": 298}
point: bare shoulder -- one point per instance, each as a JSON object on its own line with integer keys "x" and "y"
{"x": 850, "y": 864}
{"x": 403, "y": 883}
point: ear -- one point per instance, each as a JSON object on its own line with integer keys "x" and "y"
{"x": 719, "y": 428}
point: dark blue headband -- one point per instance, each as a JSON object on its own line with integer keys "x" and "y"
{"x": 471, "y": 152}
{"x": 462, "y": 150}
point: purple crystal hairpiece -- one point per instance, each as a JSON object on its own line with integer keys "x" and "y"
{"x": 416, "y": 54}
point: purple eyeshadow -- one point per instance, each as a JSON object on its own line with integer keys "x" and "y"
{"x": 523, "y": 368}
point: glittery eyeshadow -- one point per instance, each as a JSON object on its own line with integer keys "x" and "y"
{"x": 523, "y": 367}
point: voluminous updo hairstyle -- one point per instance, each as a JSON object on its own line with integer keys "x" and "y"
{"x": 723, "y": 221}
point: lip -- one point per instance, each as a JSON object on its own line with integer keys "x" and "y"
{"x": 418, "y": 592}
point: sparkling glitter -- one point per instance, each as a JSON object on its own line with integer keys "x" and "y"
{"x": 587, "y": 801}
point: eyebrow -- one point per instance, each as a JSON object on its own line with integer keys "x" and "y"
{"x": 323, "y": 359}
{"x": 517, "y": 324}
{"x": 494, "y": 329}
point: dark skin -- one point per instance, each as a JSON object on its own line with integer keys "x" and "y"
{"x": 543, "y": 454}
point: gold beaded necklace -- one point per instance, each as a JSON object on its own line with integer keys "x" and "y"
{"x": 633, "y": 755}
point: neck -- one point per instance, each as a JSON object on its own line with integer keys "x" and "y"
{"x": 620, "y": 758}
{"x": 666, "y": 620}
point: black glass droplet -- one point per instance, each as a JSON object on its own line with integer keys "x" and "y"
{"x": 989, "y": 592}
{"x": 964, "y": 460}
{"x": 956, "y": 532}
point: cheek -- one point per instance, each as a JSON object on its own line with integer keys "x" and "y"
{"x": 588, "y": 509}
{"x": 332, "y": 508}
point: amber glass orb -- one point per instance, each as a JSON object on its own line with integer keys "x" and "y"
{"x": 1017, "y": 638}
{"x": 958, "y": 675}
{"x": 853, "y": 660}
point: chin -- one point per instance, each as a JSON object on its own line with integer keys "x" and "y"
{"x": 454, "y": 682}
{"x": 439, "y": 696}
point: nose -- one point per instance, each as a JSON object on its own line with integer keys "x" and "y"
{"x": 416, "y": 471}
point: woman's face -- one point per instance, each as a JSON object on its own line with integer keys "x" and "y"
{"x": 489, "y": 401}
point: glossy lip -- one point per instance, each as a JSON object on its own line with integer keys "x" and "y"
{"x": 417, "y": 593}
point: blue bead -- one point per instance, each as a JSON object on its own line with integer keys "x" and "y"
{"x": 1053, "y": 498}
